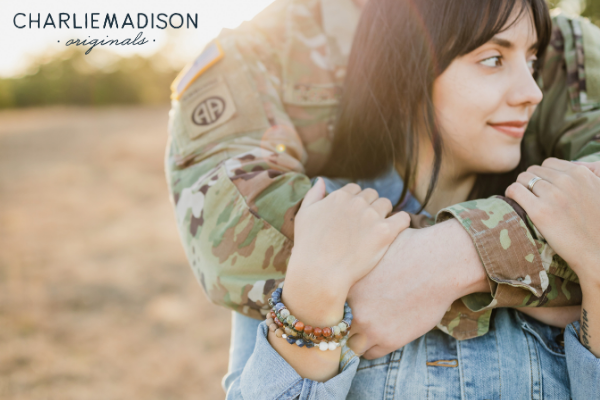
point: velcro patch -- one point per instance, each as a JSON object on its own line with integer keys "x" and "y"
{"x": 207, "y": 106}
{"x": 209, "y": 57}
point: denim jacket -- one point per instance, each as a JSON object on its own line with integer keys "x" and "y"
{"x": 519, "y": 358}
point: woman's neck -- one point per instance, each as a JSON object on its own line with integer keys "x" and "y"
{"x": 453, "y": 185}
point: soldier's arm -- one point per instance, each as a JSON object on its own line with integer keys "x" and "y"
{"x": 523, "y": 269}
{"x": 235, "y": 168}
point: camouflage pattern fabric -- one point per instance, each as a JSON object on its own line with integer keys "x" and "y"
{"x": 256, "y": 122}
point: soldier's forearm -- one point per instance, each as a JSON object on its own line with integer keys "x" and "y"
{"x": 448, "y": 245}
{"x": 559, "y": 317}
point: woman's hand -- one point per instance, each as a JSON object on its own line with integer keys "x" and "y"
{"x": 564, "y": 206}
{"x": 337, "y": 241}
{"x": 340, "y": 239}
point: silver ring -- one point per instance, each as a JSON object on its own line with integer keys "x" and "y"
{"x": 532, "y": 182}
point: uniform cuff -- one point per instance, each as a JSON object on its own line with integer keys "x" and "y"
{"x": 506, "y": 249}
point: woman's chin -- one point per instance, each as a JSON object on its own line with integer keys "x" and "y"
{"x": 501, "y": 167}
{"x": 506, "y": 161}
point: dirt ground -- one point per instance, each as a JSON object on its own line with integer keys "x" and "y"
{"x": 96, "y": 298}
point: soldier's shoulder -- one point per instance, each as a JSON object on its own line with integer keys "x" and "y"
{"x": 264, "y": 35}
{"x": 270, "y": 23}
{"x": 557, "y": 14}
{"x": 575, "y": 48}
{"x": 279, "y": 18}
{"x": 274, "y": 14}
{"x": 256, "y": 40}
{"x": 573, "y": 26}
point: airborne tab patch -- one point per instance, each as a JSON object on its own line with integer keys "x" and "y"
{"x": 210, "y": 56}
{"x": 207, "y": 107}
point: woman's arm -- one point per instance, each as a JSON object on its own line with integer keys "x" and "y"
{"x": 338, "y": 240}
{"x": 317, "y": 304}
{"x": 267, "y": 376}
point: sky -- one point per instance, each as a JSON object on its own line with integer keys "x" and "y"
{"x": 19, "y": 46}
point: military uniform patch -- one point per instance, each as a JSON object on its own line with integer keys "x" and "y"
{"x": 207, "y": 106}
{"x": 209, "y": 57}
{"x": 219, "y": 102}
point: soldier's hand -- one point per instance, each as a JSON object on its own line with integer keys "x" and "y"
{"x": 592, "y": 166}
{"x": 564, "y": 208}
{"x": 412, "y": 287}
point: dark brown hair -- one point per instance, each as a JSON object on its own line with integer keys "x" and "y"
{"x": 400, "y": 47}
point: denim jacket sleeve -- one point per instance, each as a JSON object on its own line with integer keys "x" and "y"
{"x": 266, "y": 375}
{"x": 583, "y": 366}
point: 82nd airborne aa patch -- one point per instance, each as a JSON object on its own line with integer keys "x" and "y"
{"x": 209, "y": 111}
{"x": 207, "y": 106}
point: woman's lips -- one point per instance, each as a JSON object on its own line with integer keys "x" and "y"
{"x": 514, "y": 129}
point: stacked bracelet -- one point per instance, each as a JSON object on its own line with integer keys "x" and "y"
{"x": 286, "y": 326}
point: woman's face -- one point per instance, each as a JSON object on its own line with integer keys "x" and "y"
{"x": 485, "y": 99}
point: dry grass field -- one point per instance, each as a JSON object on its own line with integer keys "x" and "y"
{"x": 97, "y": 301}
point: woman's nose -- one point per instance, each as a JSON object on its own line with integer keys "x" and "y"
{"x": 525, "y": 89}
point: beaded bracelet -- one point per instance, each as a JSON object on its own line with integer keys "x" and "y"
{"x": 286, "y": 326}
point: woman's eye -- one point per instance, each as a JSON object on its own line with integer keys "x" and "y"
{"x": 495, "y": 61}
{"x": 531, "y": 65}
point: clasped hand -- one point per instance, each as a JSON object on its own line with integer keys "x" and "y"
{"x": 337, "y": 241}
{"x": 565, "y": 208}
{"x": 414, "y": 284}
{"x": 398, "y": 287}
{"x": 340, "y": 239}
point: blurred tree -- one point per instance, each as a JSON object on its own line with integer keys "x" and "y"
{"x": 68, "y": 78}
{"x": 592, "y": 11}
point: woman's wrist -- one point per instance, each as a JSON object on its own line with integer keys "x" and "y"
{"x": 316, "y": 303}
{"x": 315, "y": 294}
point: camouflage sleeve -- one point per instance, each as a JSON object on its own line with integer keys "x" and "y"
{"x": 235, "y": 170}
{"x": 523, "y": 269}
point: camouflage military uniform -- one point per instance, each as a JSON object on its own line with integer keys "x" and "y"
{"x": 252, "y": 120}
